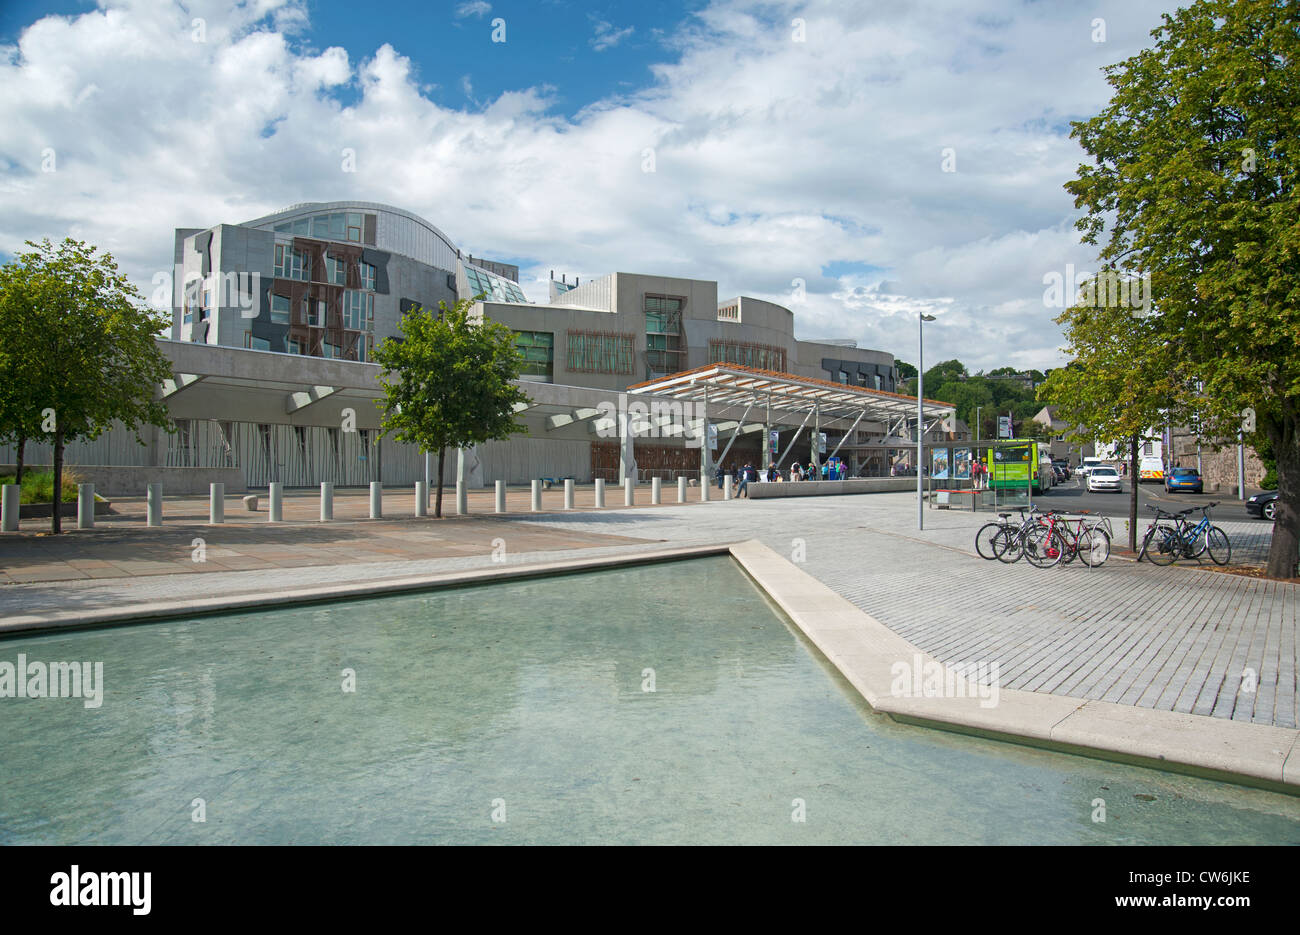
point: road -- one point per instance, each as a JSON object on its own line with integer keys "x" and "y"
{"x": 1074, "y": 495}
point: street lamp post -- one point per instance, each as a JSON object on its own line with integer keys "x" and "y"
{"x": 920, "y": 415}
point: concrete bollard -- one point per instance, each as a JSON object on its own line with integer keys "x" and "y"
{"x": 726, "y": 488}
{"x": 537, "y": 496}
{"x": 376, "y": 500}
{"x": 568, "y": 493}
{"x": 326, "y": 501}
{"x": 85, "y": 506}
{"x": 629, "y": 492}
{"x": 600, "y": 493}
{"x": 462, "y": 498}
{"x": 681, "y": 490}
{"x": 501, "y": 496}
{"x": 421, "y": 498}
{"x": 154, "y": 510}
{"x": 216, "y": 503}
{"x": 656, "y": 491}
{"x": 704, "y": 490}
{"x": 10, "y": 502}
{"x": 275, "y": 491}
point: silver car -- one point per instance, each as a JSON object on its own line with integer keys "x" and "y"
{"x": 1104, "y": 478}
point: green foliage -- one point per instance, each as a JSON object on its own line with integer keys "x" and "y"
{"x": 906, "y": 371}
{"x": 79, "y": 351}
{"x": 447, "y": 381}
{"x": 38, "y": 487}
{"x": 1193, "y": 178}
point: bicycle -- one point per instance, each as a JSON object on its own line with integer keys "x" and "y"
{"x": 1089, "y": 541}
{"x": 993, "y": 539}
{"x": 1165, "y": 543}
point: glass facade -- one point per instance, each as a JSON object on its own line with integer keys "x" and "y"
{"x": 599, "y": 352}
{"x": 343, "y": 225}
{"x": 663, "y": 327}
{"x": 758, "y": 356}
{"x": 493, "y": 288}
{"x": 291, "y": 263}
{"x": 538, "y": 351}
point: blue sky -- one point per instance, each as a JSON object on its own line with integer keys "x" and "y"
{"x": 857, "y": 161}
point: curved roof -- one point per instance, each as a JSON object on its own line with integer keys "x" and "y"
{"x": 312, "y": 207}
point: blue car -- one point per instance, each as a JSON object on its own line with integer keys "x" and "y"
{"x": 1182, "y": 480}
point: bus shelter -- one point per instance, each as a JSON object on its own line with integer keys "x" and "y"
{"x": 953, "y": 480}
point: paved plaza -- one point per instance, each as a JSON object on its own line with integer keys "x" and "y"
{"x": 1177, "y": 638}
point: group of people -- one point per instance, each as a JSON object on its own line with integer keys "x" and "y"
{"x": 832, "y": 470}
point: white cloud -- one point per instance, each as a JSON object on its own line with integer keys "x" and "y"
{"x": 478, "y": 8}
{"x": 607, "y": 36}
{"x": 774, "y": 159}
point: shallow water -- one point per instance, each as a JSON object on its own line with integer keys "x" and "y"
{"x": 517, "y": 713}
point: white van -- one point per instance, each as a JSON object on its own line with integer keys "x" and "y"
{"x": 1088, "y": 464}
{"x": 1151, "y": 467}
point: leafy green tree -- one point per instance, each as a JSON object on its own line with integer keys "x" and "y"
{"x": 949, "y": 371}
{"x": 1193, "y": 183}
{"x": 88, "y": 357}
{"x": 906, "y": 371}
{"x": 447, "y": 382}
{"x": 20, "y": 404}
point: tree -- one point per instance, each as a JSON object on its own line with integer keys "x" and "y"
{"x": 20, "y": 410}
{"x": 1120, "y": 383}
{"x": 87, "y": 357}
{"x": 1193, "y": 183}
{"x": 906, "y": 371}
{"x": 447, "y": 382}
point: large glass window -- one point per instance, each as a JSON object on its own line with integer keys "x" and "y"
{"x": 492, "y": 287}
{"x": 358, "y": 310}
{"x": 367, "y": 276}
{"x": 354, "y": 228}
{"x": 259, "y": 344}
{"x": 663, "y": 326}
{"x": 337, "y": 269}
{"x": 538, "y": 350}
{"x": 279, "y": 310}
{"x": 758, "y": 356}
{"x": 599, "y": 352}
{"x": 291, "y": 263}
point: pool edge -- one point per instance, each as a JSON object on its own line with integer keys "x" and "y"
{"x": 864, "y": 651}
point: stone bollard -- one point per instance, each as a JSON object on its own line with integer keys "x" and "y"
{"x": 656, "y": 491}
{"x": 216, "y": 503}
{"x": 154, "y": 509}
{"x": 537, "y": 496}
{"x": 681, "y": 490}
{"x": 704, "y": 490}
{"x": 600, "y": 493}
{"x": 568, "y": 493}
{"x": 85, "y": 506}
{"x": 421, "y": 498}
{"x": 376, "y": 500}
{"x": 250, "y": 503}
{"x": 275, "y": 493}
{"x": 326, "y": 501}
{"x": 462, "y": 498}
{"x": 10, "y": 502}
{"x": 501, "y": 496}
{"x": 726, "y": 488}
{"x": 629, "y": 492}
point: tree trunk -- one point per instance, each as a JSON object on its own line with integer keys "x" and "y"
{"x": 56, "y": 520}
{"x": 22, "y": 444}
{"x": 1133, "y": 494}
{"x": 437, "y": 503}
{"x": 1284, "y": 550}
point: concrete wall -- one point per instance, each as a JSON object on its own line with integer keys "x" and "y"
{"x": 826, "y": 488}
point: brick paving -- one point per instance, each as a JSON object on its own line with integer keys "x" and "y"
{"x": 1176, "y": 638}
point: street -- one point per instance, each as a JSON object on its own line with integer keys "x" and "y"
{"x": 1074, "y": 495}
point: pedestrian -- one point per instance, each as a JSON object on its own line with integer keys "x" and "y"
{"x": 743, "y": 491}
{"x": 719, "y": 473}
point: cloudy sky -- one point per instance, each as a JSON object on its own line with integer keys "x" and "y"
{"x": 855, "y": 161}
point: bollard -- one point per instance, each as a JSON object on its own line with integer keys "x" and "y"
{"x": 681, "y": 490}
{"x": 568, "y": 493}
{"x": 376, "y": 500}
{"x": 85, "y": 506}
{"x": 656, "y": 491}
{"x": 9, "y": 507}
{"x": 629, "y": 492}
{"x": 600, "y": 493}
{"x": 501, "y": 496}
{"x": 462, "y": 498}
{"x": 421, "y": 498}
{"x": 704, "y": 490}
{"x": 726, "y": 488}
{"x": 154, "y": 512}
{"x": 326, "y": 501}
{"x": 276, "y": 492}
{"x": 537, "y": 496}
{"x": 216, "y": 503}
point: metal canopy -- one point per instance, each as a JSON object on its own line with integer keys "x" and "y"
{"x": 726, "y": 384}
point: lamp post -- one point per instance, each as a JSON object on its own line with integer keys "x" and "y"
{"x": 920, "y": 415}
{"x": 977, "y": 422}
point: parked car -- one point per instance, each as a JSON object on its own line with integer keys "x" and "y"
{"x": 1104, "y": 478}
{"x": 1059, "y": 474}
{"x": 1064, "y": 466}
{"x": 1263, "y": 505}
{"x": 1184, "y": 479}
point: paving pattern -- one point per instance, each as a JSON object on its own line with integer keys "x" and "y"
{"x": 1177, "y": 638}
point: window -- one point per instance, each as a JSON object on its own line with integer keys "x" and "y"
{"x": 538, "y": 351}
{"x": 291, "y": 263}
{"x": 354, "y": 228}
{"x": 492, "y": 287}
{"x": 367, "y": 276}
{"x": 279, "y": 310}
{"x": 206, "y": 311}
{"x": 337, "y": 270}
{"x": 294, "y": 346}
{"x": 758, "y": 356}
{"x": 663, "y": 326}
{"x": 1146, "y": 449}
{"x": 361, "y": 348}
{"x": 259, "y": 344}
{"x": 358, "y": 310}
{"x": 599, "y": 352}
{"x": 330, "y": 350}
{"x": 313, "y": 311}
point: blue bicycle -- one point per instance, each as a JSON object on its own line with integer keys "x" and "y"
{"x": 1172, "y": 536}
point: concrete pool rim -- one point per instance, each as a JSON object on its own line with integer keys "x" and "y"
{"x": 859, "y": 647}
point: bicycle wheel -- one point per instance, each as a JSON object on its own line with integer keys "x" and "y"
{"x": 984, "y": 540}
{"x": 1218, "y": 545}
{"x": 1043, "y": 546}
{"x": 1094, "y": 547}
{"x": 1007, "y": 546}
{"x": 1160, "y": 545}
